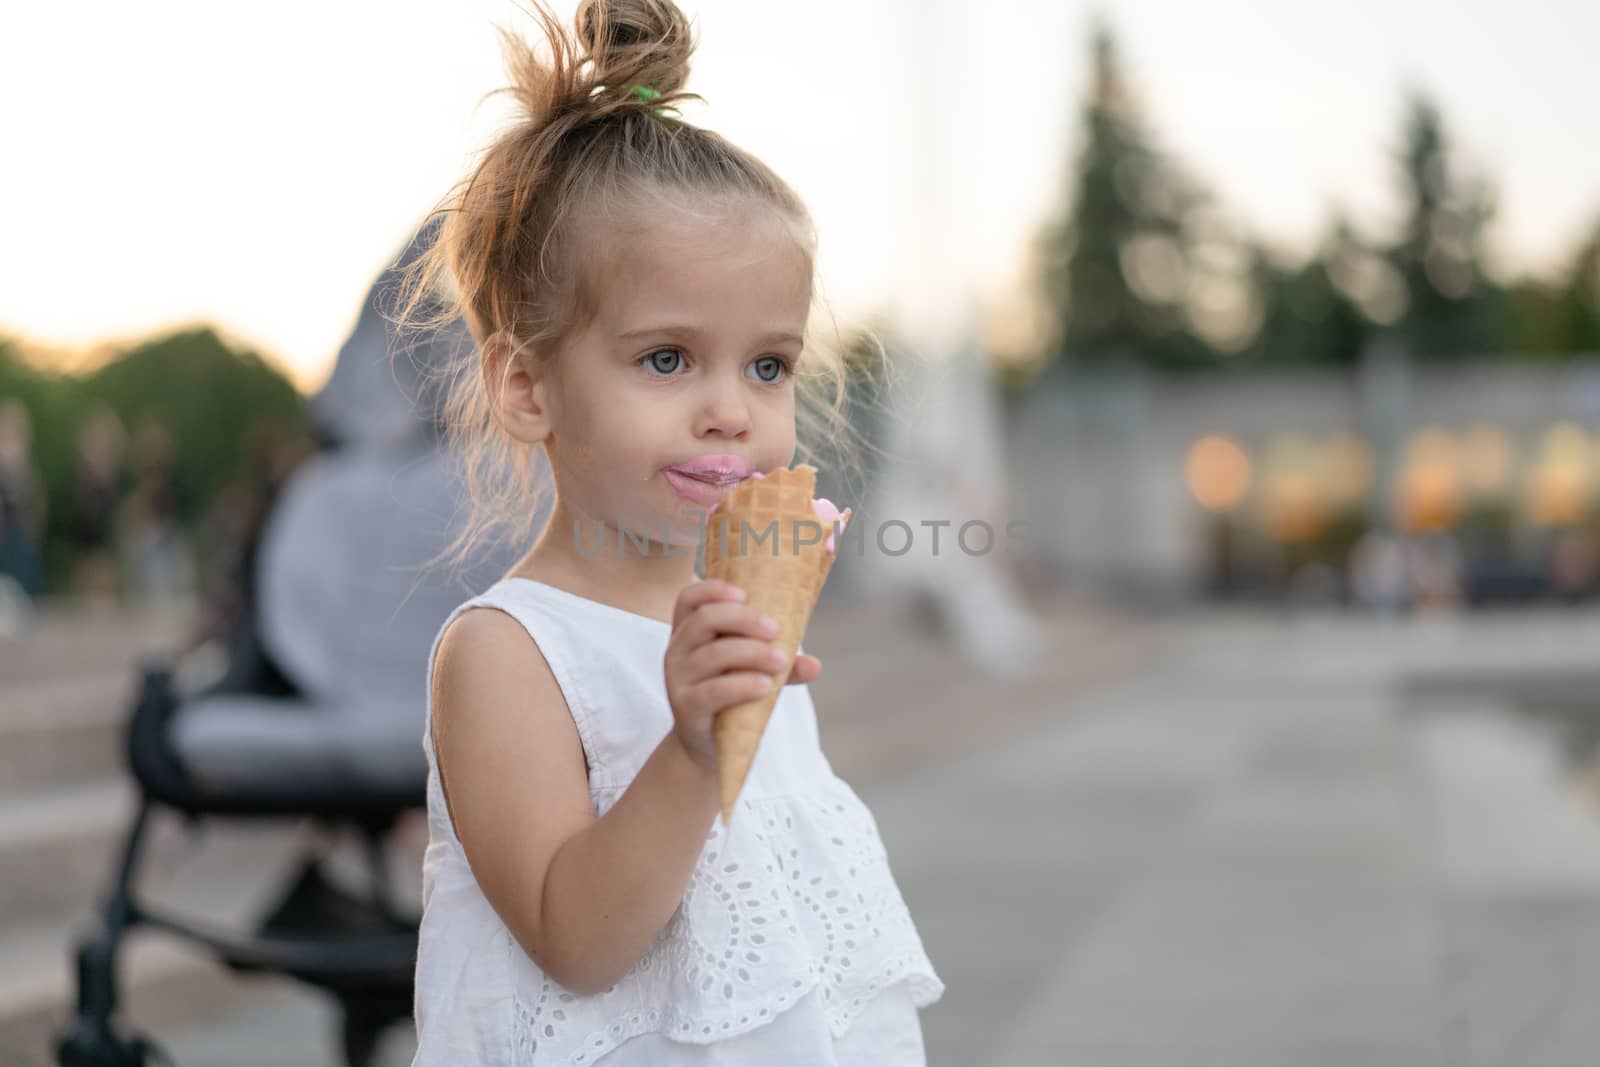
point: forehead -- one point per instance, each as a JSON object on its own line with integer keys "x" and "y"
{"x": 734, "y": 265}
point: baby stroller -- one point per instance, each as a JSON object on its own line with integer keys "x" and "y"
{"x": 319, "y": 713}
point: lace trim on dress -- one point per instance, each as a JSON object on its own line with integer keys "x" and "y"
{"x": 797, "y": 895}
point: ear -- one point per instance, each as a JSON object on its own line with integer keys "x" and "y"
{"x": 518, "y": 392}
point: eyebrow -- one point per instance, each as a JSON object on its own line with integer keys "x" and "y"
{"x": 775, "y": 337}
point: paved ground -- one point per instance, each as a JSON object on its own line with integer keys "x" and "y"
{"x": 1267, "y": 850}
{"x": 1210, "y": 839}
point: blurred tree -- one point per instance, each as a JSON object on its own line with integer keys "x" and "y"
{"x": 1452, "y": 308}
{"x": 1541, "y": 328}
{"x": 1582, "y": 297}
{"x": 1309, "y": 316}
{"x": 207, "y": 395}
{"x": 1116, "y": 265}
{"x": 1561, "y": 317}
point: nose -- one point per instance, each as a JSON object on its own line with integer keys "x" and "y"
{"x": 724, "y": 409}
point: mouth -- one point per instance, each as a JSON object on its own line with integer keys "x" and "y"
{"x": 705, "y": 488}
{"x": 716, "y": 469}
{"x": 716, "y": 479}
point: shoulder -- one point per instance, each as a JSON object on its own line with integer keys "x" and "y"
{"x": 491, "y": 677}
{"x": 485, "y": 647}
{"x": 497, "y": 712}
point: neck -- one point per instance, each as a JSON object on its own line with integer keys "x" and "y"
{"x": 594, "y": 558}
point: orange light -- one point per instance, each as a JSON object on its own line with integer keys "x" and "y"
{"x": 1294, "y": 511}
{"x": 1218, "y": 472}
{"x": 1428, "y": 497}
{"x": 1427, "y": 489}
{"x": 1558, "y": 488}
{"x": 1557, "y": 493}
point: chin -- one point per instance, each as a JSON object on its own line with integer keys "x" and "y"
{"x": 685, "y": 540}
{"x": 678, "y": 535}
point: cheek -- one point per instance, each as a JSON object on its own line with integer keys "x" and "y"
{"x": 620, "y": 435}
{"x": 784, "y": 413}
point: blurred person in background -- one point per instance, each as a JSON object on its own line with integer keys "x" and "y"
{"x": 1575, "y": 564}
{"x": 153, "y": 546}
{"x": 22, "y": 504}
{"x": 230, "y": 532}
{"x": 97, "y": 488}
{"x": 1436, "y": 571}
{"x": 1380, "y": 577}
{"x": 944, "y": 478}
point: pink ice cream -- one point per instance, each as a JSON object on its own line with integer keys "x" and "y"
{"x": 828, "y": 514}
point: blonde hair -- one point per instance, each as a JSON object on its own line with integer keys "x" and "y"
{"x": 587, "y": 151}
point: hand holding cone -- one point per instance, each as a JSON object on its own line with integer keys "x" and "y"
{"x": 764, "y": 537}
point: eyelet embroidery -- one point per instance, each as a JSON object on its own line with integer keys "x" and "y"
{"x": 770, "y": 912}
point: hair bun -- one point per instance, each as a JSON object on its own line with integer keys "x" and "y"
{"x": 635, "y": 42}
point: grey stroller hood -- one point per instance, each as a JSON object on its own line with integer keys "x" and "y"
{"x": 385, "y": 390}
{"x": 346, "y": 603}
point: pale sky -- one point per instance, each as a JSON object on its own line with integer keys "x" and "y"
{"x": 255, "y": 166}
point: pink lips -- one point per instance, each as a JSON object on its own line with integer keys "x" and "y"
{"x": 705, "y": 480}
{"x": 716, "y": 468}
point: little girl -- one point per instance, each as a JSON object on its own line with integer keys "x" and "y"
{"x": 638, "y": 290}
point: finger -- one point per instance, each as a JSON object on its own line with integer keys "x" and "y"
{"x": 734, "y": 653}
{"x": 726, "y": 690}
{"x": 806, "y": 669}
{"x": 696, "y": 594}
{"x": 723, "y": 618}
{"x": 710, "y": 623}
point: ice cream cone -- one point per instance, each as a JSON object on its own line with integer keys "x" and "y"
{"x": 755, "y": 540}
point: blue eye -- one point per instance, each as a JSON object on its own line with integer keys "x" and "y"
{"x": 780, "y": 367}
{"x": 654, "y": 356}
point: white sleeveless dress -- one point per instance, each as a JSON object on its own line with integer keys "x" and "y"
{"x": 792, "y": 945}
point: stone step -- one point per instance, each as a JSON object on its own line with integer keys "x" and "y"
{"x": 57, "y": 848}
{"x": 64, "y": 731}
{"x": 68, "y": 640}
{"x": 164, "y": 986}
{"x": 293, "y": 1025}
{"x": 225, "y": 877}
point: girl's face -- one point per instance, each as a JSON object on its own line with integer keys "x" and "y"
{"x": 689, "y": 354}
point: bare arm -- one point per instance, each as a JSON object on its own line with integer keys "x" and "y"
{"x": 612, "y": 887}
{"x": 584, "y": 897}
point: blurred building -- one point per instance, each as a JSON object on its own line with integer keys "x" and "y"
{"x": 1125, "y": 476}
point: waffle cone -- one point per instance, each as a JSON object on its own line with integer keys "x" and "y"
{"x": 782, "y": 576}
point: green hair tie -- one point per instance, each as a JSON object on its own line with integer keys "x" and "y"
{"x": 647, "y": 94}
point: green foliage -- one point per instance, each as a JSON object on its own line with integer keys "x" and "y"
{"x": 1119, "y": 267}
{"x": 205, "y": 393}
{"x": 210, "y": 397}
{"x": 1116, "y": 267}
{"x": 1539, "y": 320}
{"x": 1452, "y": 307}
{"x": 1561, "y": 318}
{"x": 1308, "y": 319}
{"x": 1582, "y": 297}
